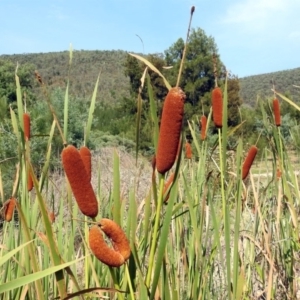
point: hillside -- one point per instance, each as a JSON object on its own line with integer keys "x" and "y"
{"x": 113, "y": 84}
{"x": 261, "y": 85}
{"x": 85, "y": 68}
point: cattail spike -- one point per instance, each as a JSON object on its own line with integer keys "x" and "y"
{"x": 9, "y": 207}
{"x": 217, "y": 107}
{"x": 86, "y": 157}
{"x": 113, "y": 257}
{"x": 170, "y": 129}
{"x": 188, "y": 150}
{"x": 26, "y": 122}
{"x": 249, "y": 161}
{"x": 203, "y": 123}
{"x": 79, "y": 181}
{"x": 166, "y": 190}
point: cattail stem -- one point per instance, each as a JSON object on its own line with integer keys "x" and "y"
{"x": 276, "y": 111}
{"x": 185, "y": 47}
{"x": 155, "y": 232}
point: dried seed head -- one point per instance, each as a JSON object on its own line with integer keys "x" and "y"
{"x": 188, "y": 150}
{"x": 203, "y": 123}
{"x": 79, "y": 181}
{"x": 170, "y": 129}
{"x": 26, "y": 121}
{"x": 166, "y": 190}
{"x": 102, "y": 251}
{"x": 276, "y": 110}
{"x": 217, "y": 107}
{"x": 249, "y": 161}
{"x": 117, "y": 236}
{"x": 9, "y": 207}
{"x": 86, "y": 157}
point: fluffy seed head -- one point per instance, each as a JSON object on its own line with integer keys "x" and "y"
{"x": 9, "y": 207}
{"x": 79, "y": 181}
{"x": 188, "y": 151}
{"x": 170, "y": 128}
{"x": 217, "y": 107}
{"x": 86, "y": 157}
{"x": 26, "y": 121}
{"x": 249, "y": 161}
{"x": 203, "y": 123}
{"x": 276, "y": 110}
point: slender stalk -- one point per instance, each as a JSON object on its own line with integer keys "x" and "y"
{"x": 155, "y": 232}
{"x": 226, "y": 217}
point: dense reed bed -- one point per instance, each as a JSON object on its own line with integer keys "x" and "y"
{"x": 217, "y": 226}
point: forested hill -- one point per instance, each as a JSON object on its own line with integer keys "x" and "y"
{"x": 85, "y": 68}
{"x": 260, "y": 85}
{"x": 113, "y": 84}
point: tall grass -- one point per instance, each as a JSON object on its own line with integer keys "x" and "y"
{"x": 216, "y": 237}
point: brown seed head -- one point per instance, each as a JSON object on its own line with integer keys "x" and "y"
{"x": 117, "y": 236}
{"x": 217, "y": 107}
{"x": 188, "y": 150}
{"x": 79, "y": 181}
{"x": 26, "y": 121}
{"x": 249, "y": 161}
{"x": 29, "y": 181}
{"x": 9, "y": 207}
{"x": 170, "y": 129}
{"x": 276, "y": 110}
{"x": 203, "y": 123}
{"x": 86, "y": 157}
{"x": 166, "y": 190}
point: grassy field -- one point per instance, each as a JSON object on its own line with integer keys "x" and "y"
{"x": 215, "y": 233}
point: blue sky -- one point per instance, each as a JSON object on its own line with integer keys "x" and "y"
{"x": 253, "y": 36}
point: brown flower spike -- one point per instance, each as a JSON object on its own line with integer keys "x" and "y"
{"x": 9, "y": 207}
{"x": 86, "y": 157}
{"x": 166, "y": 190}
{"x": 79, "y": 181}
{"x": 113, "y": 257}
{"x": 188, "y": 150}
{"x": 26, "y": 121}
{"x": 217, "y": 107}
{"x": 249, "y": 161}
{"x": 203, "y": 123}
{"x": 170, "y": 129}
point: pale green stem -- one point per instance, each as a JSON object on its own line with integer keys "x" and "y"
{"x": 155, "y": 231}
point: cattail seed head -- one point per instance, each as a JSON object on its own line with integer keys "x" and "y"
{"x": 51, "y": 216}
{"x": 29, "y": 181}
{"x": 203, "y": 123}
{"x": 276, "y": 110}
{"x": 79, "y": 181}
{"x": 217, "y": 107}
{"x": 102, "y": 251}
{"x": 170, "y": 129}
{"x": 9, "y": 207}
{"x": 188, "y": 150}
{"x": 116, "y": 256}
{"x": 166, "y": 190}
{"x": 249, "y": 161}
{"x": 117, "y": 236}
{"x": 26, "y": 122}
{"x": 86, "y": 157}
